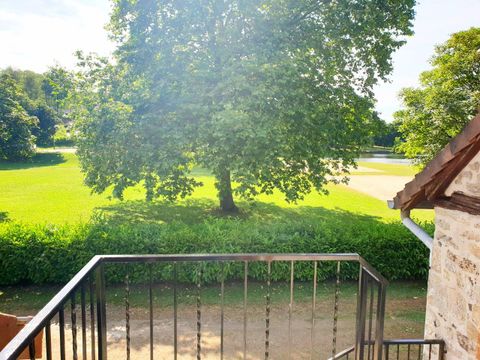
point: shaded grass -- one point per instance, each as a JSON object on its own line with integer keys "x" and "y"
{"x": 39, "y": 160}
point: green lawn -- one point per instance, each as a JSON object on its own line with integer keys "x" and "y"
{"x": 49, "y": 189}
{"x": 387, "y": 169}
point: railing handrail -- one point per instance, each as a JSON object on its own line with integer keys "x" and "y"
{"x": 251, "y": 257}
{"x": 413, "y": 342}
{"x": 15, "y": 347}
{"x": 343, "y": 353}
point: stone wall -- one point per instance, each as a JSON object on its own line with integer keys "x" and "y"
{"x": 468, "y": 180}
{"x": 453, "y": 301}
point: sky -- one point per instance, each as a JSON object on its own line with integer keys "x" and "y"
{"x": 35, "y": 34}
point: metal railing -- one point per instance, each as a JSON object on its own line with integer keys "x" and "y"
{"x": 403, "y": 349}
{"x": 414, "y": 349}
{"x": 82, "y": 303}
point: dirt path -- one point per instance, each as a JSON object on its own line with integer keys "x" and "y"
{"x": 279, "y": 346}
{"x": 383, "y": 187}
{"x": 301, "y": 346}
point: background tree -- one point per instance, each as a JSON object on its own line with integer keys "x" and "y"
{"x": 29, "y": 82}
{"x": 47, "y": 121}
{"x": 267, "y": 95}
{"x": 44, "y": 96}
{"x": 448, "y": 98}
{"x": 57, "y": 85}
{"x": 386, "y": 134}
{"x": 16, "y": 139}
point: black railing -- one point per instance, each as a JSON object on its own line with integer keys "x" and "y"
{"x": 414, "y": 349}
{"x": 79, "y": 310}
{"x": 402, "y": 349}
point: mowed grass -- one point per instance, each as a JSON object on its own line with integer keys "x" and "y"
{"x": 50, "y": 189}
{"x": 387, "y": 169}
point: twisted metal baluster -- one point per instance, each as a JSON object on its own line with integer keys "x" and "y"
{"x": 150, "y": 302}
{"x": 267, "y": 311}
{"x": 127, "y": 313}
{"x": 335, "y": 312}
{"x": 73, "y": 308}
{"x": 314, "y": 304}
{"x": 175, "y": 310}
{"x": 245, "y": 293}
{"x": 290, "y": 310}
{"x": 222, "y": 310}
{"x": 199, "y": 313}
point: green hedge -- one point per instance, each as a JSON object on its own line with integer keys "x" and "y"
{"x": 48, "y": 254}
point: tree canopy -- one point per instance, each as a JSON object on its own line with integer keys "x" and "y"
{"x": 16, "y": 139}
{"x": 43, "y": 96}
{"x": 267, "y": 95}
{"x": 448, "y": 98}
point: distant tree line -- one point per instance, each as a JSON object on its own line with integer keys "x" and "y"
{"x": 446, "y": 100}
{"x": 386, "y": 134}
{"x": 32, "y": 107}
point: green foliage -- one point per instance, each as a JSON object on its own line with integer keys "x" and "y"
{"x": 47, "y": 120}
{"x": 62, "y": 137}
{"x": 16, "y": 139}
{"x": 29, "y": 82}
{"x": 448, "y": 98}
{"x": 57, "y": 84}
{"x": 44, "y": 96}
{"x": 277, "y": 96}
{"x": 387, "y": 134}
{"x": 57, "y": 253}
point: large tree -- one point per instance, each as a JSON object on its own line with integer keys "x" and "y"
{"x": 449, "y": 96}
{"x": 16, "y": 139}
{"x": 273, "y": 94}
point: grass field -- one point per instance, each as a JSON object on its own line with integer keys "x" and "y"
{"x": 49, "y": 189}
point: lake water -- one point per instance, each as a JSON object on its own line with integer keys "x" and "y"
{"x": 384, "y": 158}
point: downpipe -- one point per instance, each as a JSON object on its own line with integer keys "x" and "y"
{"x": 418, "y": 231}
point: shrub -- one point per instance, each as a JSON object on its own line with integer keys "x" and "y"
{"x": 47, "y": 254}
{"x": 62, "y": 137}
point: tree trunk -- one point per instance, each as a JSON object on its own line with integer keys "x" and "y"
{"x": 225, "y": 195}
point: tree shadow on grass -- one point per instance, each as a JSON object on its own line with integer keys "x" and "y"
{"x": 141, "y": 211}
{"x": 193, "y": 211}
{"x": 4, "y": 216}
{"x": 39, "y": 160}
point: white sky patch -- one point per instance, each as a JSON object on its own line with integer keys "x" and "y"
{"x": 35, "y": 34}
